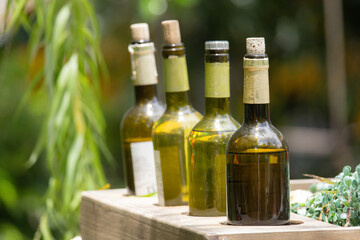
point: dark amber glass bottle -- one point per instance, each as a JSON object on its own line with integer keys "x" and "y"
{"x": 257, "y": 167}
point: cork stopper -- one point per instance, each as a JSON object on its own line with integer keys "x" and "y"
{"x": 216, "y": 45}
{"x": 255, "y": 46}
{"x": 140, "y": 32}
{"x": 171, "y": 32}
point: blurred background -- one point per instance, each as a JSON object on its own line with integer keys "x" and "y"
{"x": 314, "y": 52}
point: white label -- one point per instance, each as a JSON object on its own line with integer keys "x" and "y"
{"x": 142, "y": 154}
{"x": 160, "y": 187}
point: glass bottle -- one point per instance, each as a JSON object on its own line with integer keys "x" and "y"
{"x": 208, "y": 139}
{"x": 136, "y": 125}
{"x": 171, "y": 131}
{"x": 257, "y": 167}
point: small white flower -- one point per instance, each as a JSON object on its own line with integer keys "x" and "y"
{"x": 301, "y": 211}
{"x": 343, "y": 215}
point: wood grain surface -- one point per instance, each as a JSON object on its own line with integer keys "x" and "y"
{"x": 110, "y": 215}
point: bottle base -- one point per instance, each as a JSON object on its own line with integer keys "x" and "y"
{"x": 206, "y": 213}
{"x": 258, "y": 223}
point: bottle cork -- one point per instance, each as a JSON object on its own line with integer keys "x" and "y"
{"x": 255, "y": 46}
{"x": 171, "y": 32}
{"x": 140, "y": 32}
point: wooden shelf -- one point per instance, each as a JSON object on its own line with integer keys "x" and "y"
{"x": 110, "y": 215}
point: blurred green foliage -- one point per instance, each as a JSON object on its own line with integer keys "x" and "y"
{"x": 66, "y": 37}
{"x": 295, "y": 43}
{"x": 21, "y": 189}
{"x": 338, "y": 203}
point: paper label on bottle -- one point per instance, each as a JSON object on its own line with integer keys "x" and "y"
{"x": 256, "y": 81}
{"x": 142, "y": 155}
{"x": 217, "y": 84}
{"x": 143, "y": 64}
{"x": 160, "y": 186}
{"x": 175, "y": 74}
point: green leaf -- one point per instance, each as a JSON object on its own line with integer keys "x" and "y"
{"x": 34, "y": 42}
{"x": 323, "y": 217}
{"x": 71, "y": 162}
{"x": 59, "y": 32}
{"x": 69, "y": 72}
{"x": 346, "y": 170}
{"x": 332, "y": 206}
{"x": 37, "y": 149}
{"x": 17, "y": 13}
{"x": 64, "y": 107}
{"x": 347, "y": 181}
{"x": 44, "y": 228}
{"x": 354, "y": 183}
{"x": 311, "y": 210}
{"x": 358, "y": 169}
{"x": 8, "y": 192}
{"x": 313, "y": 188}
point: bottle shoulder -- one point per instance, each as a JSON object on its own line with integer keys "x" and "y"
{"x": 144, "y": 114}
{"x": 217, "y": 123}
{"x": 175, "y": 121}
{"x": 254, "y": 136}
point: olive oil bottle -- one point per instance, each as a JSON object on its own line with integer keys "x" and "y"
{"x": 136, "y": 125}
{"x": 171, "y": 131}
{"x": 257, "y": 167}
{"x": 208, "y": 139}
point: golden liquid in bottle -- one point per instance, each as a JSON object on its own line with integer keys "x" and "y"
{"x": 207, "y": 180}
{"x": 258, "y": 187}
{"x": 170, "y": 137}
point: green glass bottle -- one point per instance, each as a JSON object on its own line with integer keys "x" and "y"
{"x": 136, "y": 125}
{"x": 257, "y": 167}
{"x": 208, "y": 139}
{"x": 171, "y": 131}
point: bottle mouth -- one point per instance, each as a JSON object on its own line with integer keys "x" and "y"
{"x": 255, "y": 56}
{"x": 173, "y": 47}
{"x": 216, "y": 45}
{"x": 140, "y": 41}
{"x": 141, "y": 48}
{"x": 256, "y": 63}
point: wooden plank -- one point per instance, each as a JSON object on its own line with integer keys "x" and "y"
{"x": 303, "y": 184}
{"x": 110, "y": 215}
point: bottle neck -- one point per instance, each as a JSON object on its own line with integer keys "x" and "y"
{"x": 176, "y": 100}
{"x": 143, "y": 64}
{"x": 145, "y": 93}
{"x": 256, "y": 113}
{"x": 256, "y": 79}
{"x": 256, "y": 89}
{"x": 175, "y": 69}
{"x": 217, "y": 73}
{"x": 217, "y": 89}
{"x": 216, "y": 106}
